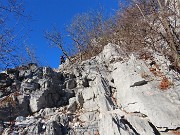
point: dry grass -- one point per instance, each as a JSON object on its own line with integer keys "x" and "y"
{"x": 97, "y": 133}
{"x": 9, "y": 100}
{"x": 165, "y": 84}
{"x": 176, "y": 132}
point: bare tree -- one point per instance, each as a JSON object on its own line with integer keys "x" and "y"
{"x": 164, "y": 24}
{"x": 55, "y": 38}
{"x": 84, "y": 28}
{"x": 11, "y": 32}
{"x": 169, "y": 10}
{"x": 151, "y": 23}
{"x": 140, "y": 25}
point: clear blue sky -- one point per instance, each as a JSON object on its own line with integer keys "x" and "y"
{"x": 46, "y": 13}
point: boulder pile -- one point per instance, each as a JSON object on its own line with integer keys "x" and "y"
{"x": 109, "y": 94}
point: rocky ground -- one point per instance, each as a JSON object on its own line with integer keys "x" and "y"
{"x": 109, "y": 94}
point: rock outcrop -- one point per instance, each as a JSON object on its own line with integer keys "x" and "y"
{"x": 28, "y": 89}
{"x": 109, "y": 94}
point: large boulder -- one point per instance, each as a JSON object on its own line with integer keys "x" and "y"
{"x": 13, "y": 106}
{"x": 161, "y": 107}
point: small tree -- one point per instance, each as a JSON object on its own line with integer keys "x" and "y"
{"x": 55, "y": 38}
{"x": 152, "y": 23}
{"x": 168, "y": 14}
{"x": 165, "y": 25}
{"x": 85, "y": 28}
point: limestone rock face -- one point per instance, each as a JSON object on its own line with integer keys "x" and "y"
{"x": 161, "y": 107}
{"x": 32, "y": 89}
{"x": 109, "y": 94}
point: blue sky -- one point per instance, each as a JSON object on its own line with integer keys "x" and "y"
{"x": 47, "y": 13}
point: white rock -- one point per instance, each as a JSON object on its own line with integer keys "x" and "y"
{"x": 146, "y": 99}
{"x": 88, "y": 93}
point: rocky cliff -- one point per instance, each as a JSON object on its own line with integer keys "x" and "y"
{"x": 109, "y": 94}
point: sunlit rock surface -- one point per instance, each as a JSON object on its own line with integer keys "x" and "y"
{"x": 109, "y": 94}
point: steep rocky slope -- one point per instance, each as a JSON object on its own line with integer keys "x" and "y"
{"x": 109, "y": 94}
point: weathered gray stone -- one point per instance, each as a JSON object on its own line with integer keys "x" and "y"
{"x": 1, "y": 94}
{"x": 111, "y": 52}
{"x": 3, "y": 76}
{"x": 38, "y": 101}
{"x": 85, "y": 82}
{"x": 7, "y": 131}
{"x": 72, "y": 104}
{"x": 49, "y": 98}
{"x": 32, "y": 66}
{"x": 79, "y": 99}
{"x": 91, "y": 128}
{"x": 61, "y": 118}
{"x": 46, "y": 112}
{"x": 47, "y": 72}
{"x": 113, "y": 124}
{"x": 33, "y": 125}
{"x": 86, "y": 103}
{"x": 12, "y": 71}
{"x": 20, "y": 119}
{"x": 1, "y": 127}
{"x": 102, "y": 87}
{"x": 104, "y": 103}
{"x": 88, "y": 93}
{"x": 70, "y": 76}
{"x": 25, "y": 74}
{"x": 146, "y": 99}
{"x": 53, "y": 128}
{"x": 14, "y": 106}
{"x": 141, "y": 125}
{"x": 71, "y": 84}
{"x": 89, "y": 116}
{"x": 6, "y": 83}
{"x": 26, "y": 86}
{"x": 91, "y": 105}
{"x": 44, "y": 83}
{"x": 35, "y": 128}
{"x": 38, "y": 73}
{"x": 68, "y": 93}
{"x": 17, "y": 84}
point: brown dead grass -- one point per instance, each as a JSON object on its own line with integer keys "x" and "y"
{"x": 97, "y": 133}
{"x": 165, "y": 84}
{"x": 176, "y": 132}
